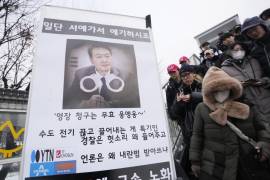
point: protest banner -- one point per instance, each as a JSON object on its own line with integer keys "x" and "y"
{"x": 95, "y": 108}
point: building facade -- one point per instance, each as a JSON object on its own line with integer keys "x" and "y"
{"x": 13, "y": 105}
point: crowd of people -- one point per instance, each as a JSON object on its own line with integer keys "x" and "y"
{"x": 222, "y": 105}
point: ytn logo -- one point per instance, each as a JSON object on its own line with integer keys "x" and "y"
{"x": 45, "y": 155}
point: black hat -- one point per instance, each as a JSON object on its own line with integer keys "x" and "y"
{"x": 186, "y": 68}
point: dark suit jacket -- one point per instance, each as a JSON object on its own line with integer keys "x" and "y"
{"x": 128, "y": 97}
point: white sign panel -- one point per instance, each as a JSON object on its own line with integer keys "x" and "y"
{"x": 96, "y": 110}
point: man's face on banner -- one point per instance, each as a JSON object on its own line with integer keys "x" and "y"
{"x": 102, "y": 59}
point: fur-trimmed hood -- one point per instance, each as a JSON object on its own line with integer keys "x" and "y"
{"x": 217, "y": 80}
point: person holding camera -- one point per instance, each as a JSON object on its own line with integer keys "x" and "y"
{"x": 211, "y": 58}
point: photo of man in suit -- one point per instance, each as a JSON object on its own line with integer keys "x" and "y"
{"x": 101, "y": 85}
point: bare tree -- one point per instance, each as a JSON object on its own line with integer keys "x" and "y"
{"x": 16, "y": 41}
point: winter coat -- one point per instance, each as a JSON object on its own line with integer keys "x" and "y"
{"x": 75, "y": 95}
{"x": 185, "y": 110}
{"x": 259, "y": 96}
{"x": 171, "y": 91}
{"x": 261, "y": 51}
{"x": 214, "y": 146}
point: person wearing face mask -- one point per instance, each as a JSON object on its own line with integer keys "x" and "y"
{"x": 256, "y": 88}
{"x": 227, "y": 39}
{"x": 216, "y": 151}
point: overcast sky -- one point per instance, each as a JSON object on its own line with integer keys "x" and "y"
{"x": 175, "y": 22}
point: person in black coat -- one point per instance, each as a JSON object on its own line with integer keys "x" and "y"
{"x": 172, "y": 88}
{"x": 257, "y": 31}
{"x": 210, "y": 59}
{"x": 184, "y": 107}
{"x": 216, "y": 151}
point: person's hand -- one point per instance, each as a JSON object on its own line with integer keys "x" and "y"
{"x": 182, "y": 97}
{"x": 186, "y": 98}
{"x": 252, "y": 82}
{"x": 264, "y": 150}
{"x": 196, "y": 170}
{"x": 244, "y": 83}
{"x": 179, "y": 97}
{"x": 96, "y": 101}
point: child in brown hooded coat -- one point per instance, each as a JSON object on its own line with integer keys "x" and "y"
{"x": 216, "y": 152}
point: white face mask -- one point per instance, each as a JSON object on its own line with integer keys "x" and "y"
{"x": 238, "y": 54}
{"x": 221, "y": 96}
